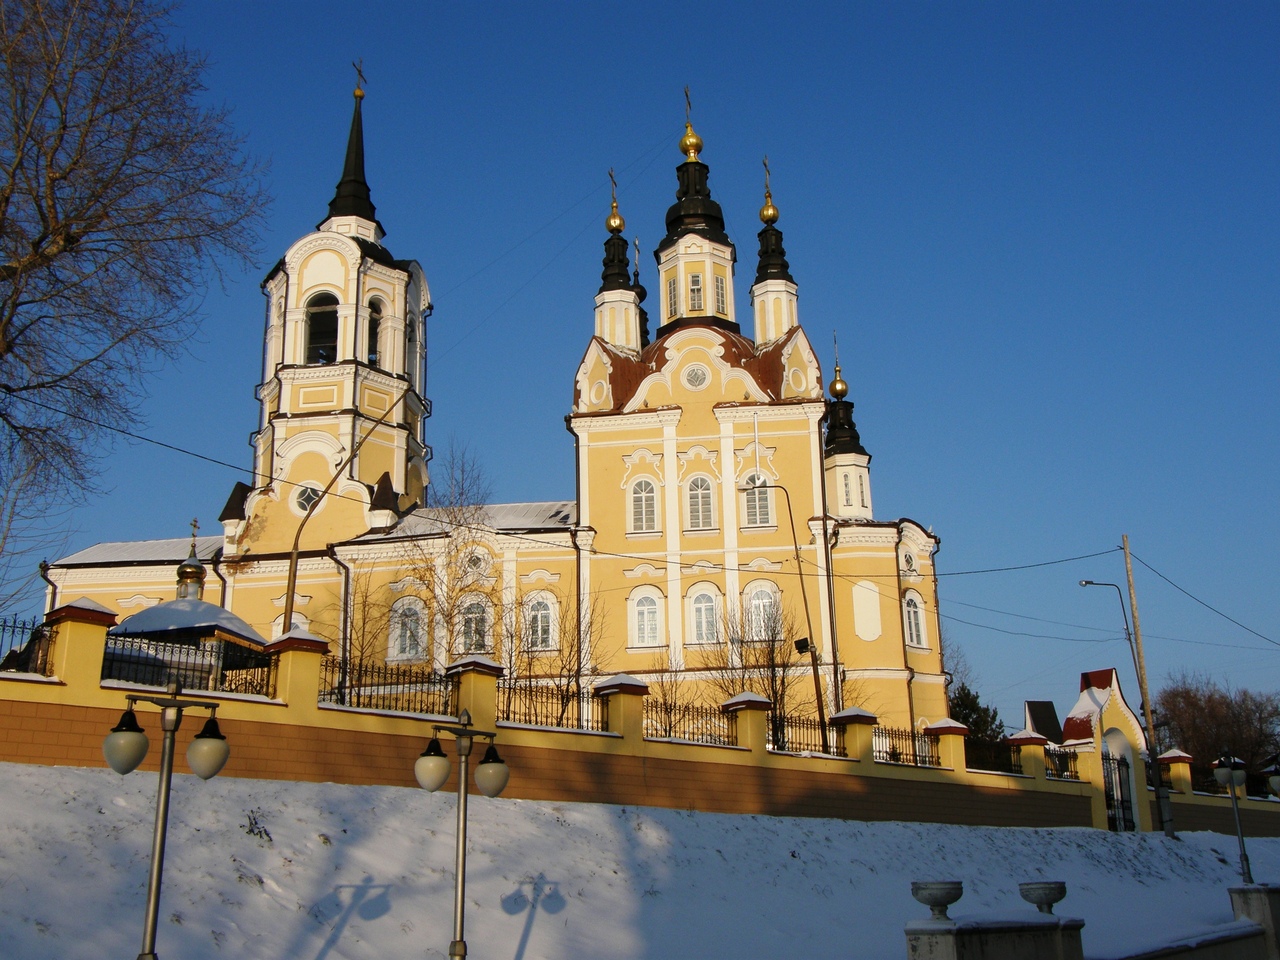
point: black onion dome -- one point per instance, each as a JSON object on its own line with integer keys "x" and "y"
{"x": 773, "y": 259}
{"x": 615, "y": 275}
{"x": 842, "y": 433}
{"x": 694, "y": 211}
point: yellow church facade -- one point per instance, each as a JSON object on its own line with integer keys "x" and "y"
{"x": 721, "y": 538}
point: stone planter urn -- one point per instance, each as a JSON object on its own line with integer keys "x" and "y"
{"x": 937, "y": 895}
{"x": 1043, "y": 894}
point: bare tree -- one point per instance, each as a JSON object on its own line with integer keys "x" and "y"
{"x": 758, "y": 655}
{"x": 119, "y": 194}
{"x": 672, "y": 699}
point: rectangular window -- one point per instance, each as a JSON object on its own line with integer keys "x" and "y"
{"x": 695, "y": 292}
{"x": 848, "y": 498}
{"x": 672, "y": 302}
{"x": 722, "y": 297}
{"x": 862, "y": 489}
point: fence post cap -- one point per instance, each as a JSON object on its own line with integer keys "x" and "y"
{"x": 948, "y": 727}
{"x": 298, "y": 639}
{"x": 620, "y": 683}
{"x": 853, "y": 715}
{"x": 1175, "y": 756}
{"x": 746, "y": 701}
{"x": 1026, "y": 738}
{"x": 474, "y": 663}
{"x": 84, "y": 610}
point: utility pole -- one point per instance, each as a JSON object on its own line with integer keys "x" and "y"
{"x": 1162, "y": 795}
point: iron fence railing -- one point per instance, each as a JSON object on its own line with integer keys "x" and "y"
{"x": 26, "y": 646}
{"x": 992, "y": 756}
{"x": 683, "y": 722}
{"x": 391, "y": 687}
{"x": 216, "y": 666}
{"x": 548, "y": 705}
{"x": 893, "y": 745}
{"x": 802, "y": 735}
{"x": 1060, "y": 763}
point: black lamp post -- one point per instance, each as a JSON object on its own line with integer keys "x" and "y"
{"x": 432, "y": 770}
{"x": 126, "y": 746}
{"x": 1229, "y": 772}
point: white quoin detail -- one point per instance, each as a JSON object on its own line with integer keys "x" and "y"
{"x": 774, "y": 303}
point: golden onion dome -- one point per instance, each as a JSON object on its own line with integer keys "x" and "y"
{"x": 768, "y": 213}
{"x": 839, "y": 389}
{"x": 614, "y": 222}
{"x": 690, "y": 143}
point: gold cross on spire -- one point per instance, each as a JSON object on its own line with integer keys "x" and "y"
{"x": 195, "y": 528}
{"x": 613, "y": 186}
{"x": 688, "y": 104}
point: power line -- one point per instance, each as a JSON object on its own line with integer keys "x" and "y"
{"x": 1029, "y": 566}
{"x": 1020, "y": 633}
{"x": 1188, "y": 593}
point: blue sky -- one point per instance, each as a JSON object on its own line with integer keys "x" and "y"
{"x": 1045, "y": 235}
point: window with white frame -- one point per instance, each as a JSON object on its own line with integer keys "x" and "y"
{"x": 695, "y": 292}
{"x": 848, "y": 491}
{"x": 700, "y": 516}
{"x": 645, "y": 627}
{"x": 474, "y": 635}
{"x": 322, "y": 329}
{"x": 405, "y": 634}
{"x": 673, "y": 301}
{"x": 722, "y": 297}
{"x": 757, "y": 511}
{"x": 704, "y": 616}
{"x": 538, "y": 623}
{"x": 644, "y": 507}
{"x": 375, "y": 330}
{"x": 913, "y": 617}
{"x": 762, "y": 616}
{"x": 862, "y": 489}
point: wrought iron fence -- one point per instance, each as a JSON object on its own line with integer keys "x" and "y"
{"x": 545, "y": 705}
{"x": 803, "y": 735}
{"x": 216, "y": 666}
{"x": 26, "y": 646}
{"x": 1060, "y": 763}
{"x": 398, "y": 687}
{"x": 992, "y": 756}
{"x": 893, "y": 745}
{"x": 696, "y": 724}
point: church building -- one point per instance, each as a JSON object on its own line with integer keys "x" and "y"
{"x": 721, "y": 538}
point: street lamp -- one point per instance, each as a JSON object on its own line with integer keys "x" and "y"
{"x": 1162, "y": 794}
{"x": 804, "y": 600}
{"x": 1229, "y": 772}
{"x": 126, "y": 746}
{"x": 432, "y": 770}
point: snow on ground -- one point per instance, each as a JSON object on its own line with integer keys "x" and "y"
{"x": 280, "y": 870}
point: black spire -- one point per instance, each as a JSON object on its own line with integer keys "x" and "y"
{"x": 640, "y": 293}
{"x": 773, "y": 259}
{"x": 352, "y": 198}
{"x": 615, "y": 275}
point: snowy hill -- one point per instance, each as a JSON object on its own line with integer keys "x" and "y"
{"x": 268, "y": 869}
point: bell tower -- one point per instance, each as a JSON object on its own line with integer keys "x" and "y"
{"x": 343, "y": 371}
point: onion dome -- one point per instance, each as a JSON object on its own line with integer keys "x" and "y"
{"x": 842, "y": 432}
{"x": 191, "y": 574}
{"x": 773, "y": 258}
{"x": 615, "y": 275}
{"x": 694, "y": 211}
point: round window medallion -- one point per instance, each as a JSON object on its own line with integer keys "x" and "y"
{"x": 798, "y": 380}
{"x": 597, "y": 391}
{"x": 305, "y": 497}
{"x": 696, "y": 376}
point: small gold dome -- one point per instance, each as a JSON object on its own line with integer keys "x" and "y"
{"x": 768, "y": 213}
{"x": 839, "y": 389}
{"x": 614, "y": 222}
{"x": 358, "y": 94}
{"x": 690, "y": 143}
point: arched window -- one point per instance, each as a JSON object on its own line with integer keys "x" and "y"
{"x": 912, "y": 609}
{"x": 700, "y": 517}
{"x": 763, "y": 622}
{"x": 848, "y": 492}
{"x": 757, "y": 497}
{"x": 539, "y": 621}
{"x": 644, "y": 507}
{"x": 405, "y": 640}
{"x": 705, "y": 627}
{"x": 475, "y": 627}
{"x": 375, "y": 329}
{"x": 322, "y": 328}
{"x": 647, "y": 634}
